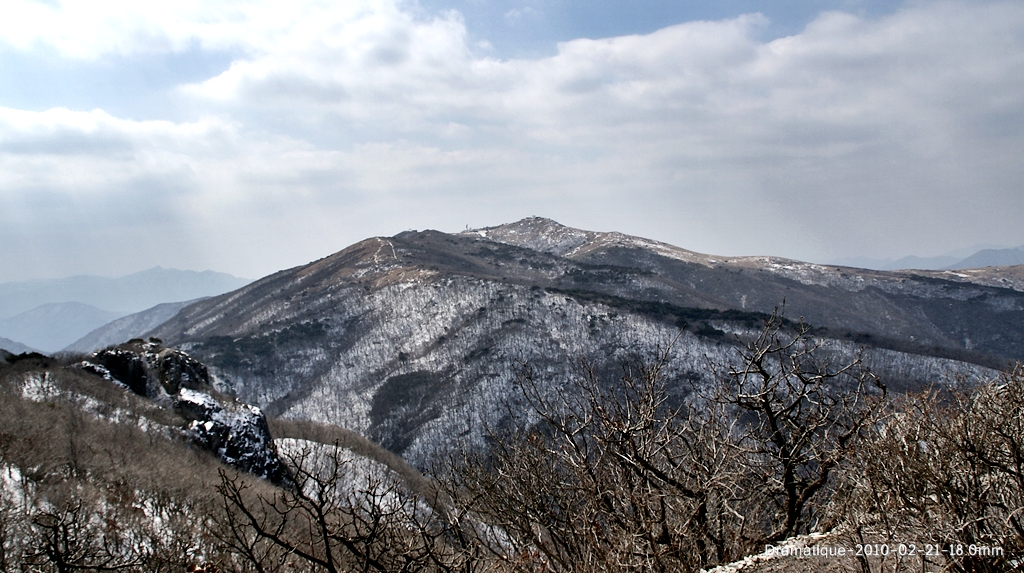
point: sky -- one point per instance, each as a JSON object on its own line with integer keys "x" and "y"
{"x": 253, "y": 135}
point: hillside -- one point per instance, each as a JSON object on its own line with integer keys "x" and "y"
{"x": 126, "y": 327}
{"x": 414, "y": 340}
{"x": 111, "y": 464}
{"x": 14, "y": 347}
{"x": 124, "y": 462}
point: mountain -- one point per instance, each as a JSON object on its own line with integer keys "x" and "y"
{"x": 978, "y": 256}
{"x": 127, "y": 294}
{"x": 14, "y": 347}
{"x": 127, "y": 327}
{"x": 909, "y": 262}
{"x": 991, "y": 258}
{"x": 51, "y": 327}
{"x": 420, "y": 339}
{"x": 911, "y": 306}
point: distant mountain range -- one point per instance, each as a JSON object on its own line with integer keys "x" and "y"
{"x": 991, "y": 258}
{"x": 415, "y": 339}
{"x": 52, "y": 326}
{"x": 122, "y": 295}
{"x": 127, "y": 327}
{"x": 983, "y": 257}
{"x": 14, "y": 347}
{"x": 50, "y": 315}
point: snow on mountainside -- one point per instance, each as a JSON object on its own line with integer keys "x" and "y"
{"x": 548, "y": 236}
{"x": 415, "y": 340}
{"x": 904, "y": 305}
{"x": 551, "y": 237}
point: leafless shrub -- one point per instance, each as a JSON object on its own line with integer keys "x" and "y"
{"x": 798, "y": 418}
{"x": 618, "y": 478}
{"x": 335, "y": 516}
{"x": 77, "y": 537}
{"x": 946, "y": 472}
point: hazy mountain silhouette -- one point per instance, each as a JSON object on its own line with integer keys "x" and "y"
{"x": 124, "y": 295}
{"x": 50, "y": 327}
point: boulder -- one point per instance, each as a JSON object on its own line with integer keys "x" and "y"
{"x": 238, "y": 433}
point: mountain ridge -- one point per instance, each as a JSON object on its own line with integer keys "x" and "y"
{"x": 978, "y": 256}
{"x": 541, "y": 231}
{"x": 991, "y": 258}
{"x": 127, "y": 327}
{"x": 416, "y": 338}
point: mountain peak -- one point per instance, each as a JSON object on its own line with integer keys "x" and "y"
{"x": 537, "y": 233}
{"x": 552, "y": 237}
{"x": 525, "y": 225}
{"x": 537, "y": 222}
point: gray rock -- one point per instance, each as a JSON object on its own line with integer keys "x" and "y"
{"x": 151, "y": 370}
{"x": 237, "y": 433}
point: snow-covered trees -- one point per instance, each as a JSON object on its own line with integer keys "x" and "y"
{"x": 631, "y": 476}
{"x": 946, "y": 469}
{"x": 340, "y": 512}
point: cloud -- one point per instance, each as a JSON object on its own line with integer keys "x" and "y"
{"x": 340, "y": 120}
{"x": 517, "y": 15}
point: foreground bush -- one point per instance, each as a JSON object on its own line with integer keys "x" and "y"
{"x": 946, "y": 470}
{"x": 620, "y": 474}
{"x": 617, "y": 477}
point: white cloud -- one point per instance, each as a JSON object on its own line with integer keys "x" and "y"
{"x": 93, "y": 28}
{"x": 340, "y": 117}
{"x": 517, "y": 15}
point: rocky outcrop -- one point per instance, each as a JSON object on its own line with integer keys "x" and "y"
{"x": 150, "y": 370}
{"x": 237, "y": 433}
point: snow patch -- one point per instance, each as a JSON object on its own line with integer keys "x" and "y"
{"x": 785, "y": 550}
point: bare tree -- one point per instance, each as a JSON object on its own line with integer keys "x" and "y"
{"x": 610, "y": 479}
{"x": 800, "y": 417}
{"x": 335, "y": 516}
{"x": 946, "y": 473}
{"x": 624, "y": 476}
{"x": 76, "y": 537}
